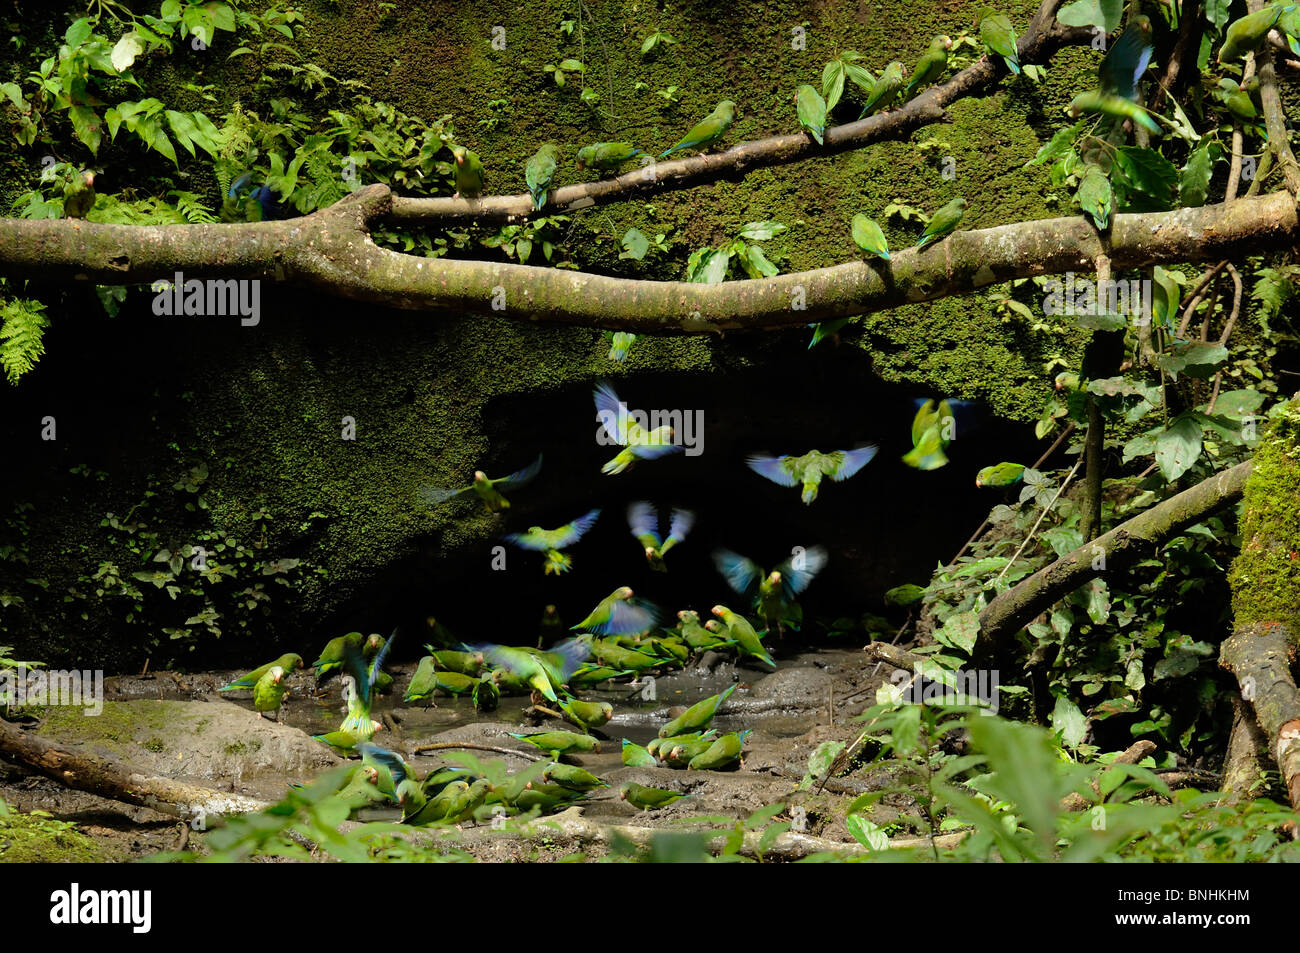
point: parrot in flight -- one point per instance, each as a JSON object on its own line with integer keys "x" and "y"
{"x": 621, "y": 613}
{"x": 772, "y": 593}
{"x": 332, "y": 656}
{"x": 539, "y": 171}
{"x": 707, "y": 131}
{"x": 469, "y": 173}
{"x": 999, "y": 38}
{"x": 620, "y": 345}
{"x": 808, "y": 470}
{"x": 827, "y": 329}
{"x": 258, "y": 204}
{"x": 884, "y": 91}
{"x": 1000, "y": 474}
{"x": 621, "y": 427}
{"x": 546, "y": 672}
{"x": 485, "y": 488}
{"x": 1118, "y": 76}
{"x": 551, "y": 541}
{"x": 930, "y": 66}
{"x": 943, "y": 223}
{"x": 932, "y": 431}
{"x": 644, "y": 523}
{"x": 288, "y": 663}
{"x": 358, "y": 691}
{"x": 606, "y": 156}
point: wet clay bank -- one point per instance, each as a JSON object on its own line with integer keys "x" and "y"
{"x": 177, "y": 726}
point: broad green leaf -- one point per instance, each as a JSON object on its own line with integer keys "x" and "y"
{"x": 635, "y": 244}
{"x": 1165, "y": 297}
{"x": 87, "y": 126}
{"x": 820, "y": 761}
{"x": 1238, "y": 403}
{"x": 1216, "y": 11}
{"x": 866, "y": 833}
{"x": 79, "y": 32}
{"x": 832, "y": 91}
{"x": 1194, "y": 184}
{"x": 761, "y": 231}
{"x": 1178, "y": 447}
{"x": 1058, "y": 145}
{"x": 1149, "y": 171}
{"x": 1195, "y": 359}
{"x": 757, "y": 264}
{"x": 1103, "y": 13}
{"x": 126, "y": 50}
{"x": 960, "y": 631}
{"x": 860, "y": 76}
{"x": 1069, "y": 721}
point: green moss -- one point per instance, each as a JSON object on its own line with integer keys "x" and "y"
{"x": 39, "y": 838}
{"x": 1265, "y": 576}
{"x": 154, "y": 744}
{"x": 116, "y": 727}
{"x": 244, "y": 747}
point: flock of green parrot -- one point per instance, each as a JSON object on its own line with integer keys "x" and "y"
{"x": 625, "y": 635}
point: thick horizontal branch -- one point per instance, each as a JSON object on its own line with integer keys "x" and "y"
{"x": 331, "y": 251}
{"x": 1041, "y": 40}
{"x": 1131, "y": 541}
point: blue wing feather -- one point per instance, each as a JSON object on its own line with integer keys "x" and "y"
{"x": 519, "y": 477}
{"x": 643, "y": 521}
{"x": 810, "y": 562}
{"x": 854, "y": 460}
{"x": 771, "y": 468}
{"x": 741, "y": 574}
{"x": 681, "y": 524}
{"x": 612, "y": 413}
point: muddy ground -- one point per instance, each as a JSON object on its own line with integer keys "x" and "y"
{"x": 179, "y": 726}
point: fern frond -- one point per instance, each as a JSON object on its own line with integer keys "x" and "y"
{"x": 21, "y": 334}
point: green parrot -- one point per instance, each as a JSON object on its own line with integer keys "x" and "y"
{"x": 418, "y": 810}
{"x": 485, "y": 488}
{"x": 358, "y": 690}
{"x": 811, "y": 109}
{"x": 586, "y": 715}
{"x": 884, "y": 91}
{"x": 552, "y": 627}
{"x": 546, "y": 672}
{"x": 451, "y": 660}
{"x": 707, "y": 131}
{"x": 932, "y": 430}
{"x": 644, "y": 523}
{"x": 999, "y": 38}
{"x": 361, "y": 789}
{"x": 746, "y": 639}
{"x": 389, "y": 768}
{"x": 552, "y": 541}
{"x": 904, "y": 595}
{"x": 647, "y": 799}
{"x": 697, "y": 636}
{"x": 269, "y": 692}
{"x": 469, "y": 173}
{"x": 331, "y": 657}
{"x": 1237, "y": 99}
{"x": 869, "y": 237}
{"x": 1000, "y": 474}
{"x": 772, "y": 593}
{"x": 678, "y": 752}
{"x": 547, "y": 797}
{"x": 589, "y": 675}
{"x": 1126, "y": 60}
{"x": 487, "y": 692}
{"x": 620, "y": 345}
{"x": 930, "y": 66}
{"x": 288, "y": 662}
{"x": 659, "y": 747}
{"x": 622, "y": 658}
{"x": 462, "y": 806}
{"x": 621, "y": 427}
{"x": 572, "y": 777}
{"x": 827, "y": 329}
{"x": 635, "y": 756}
{"x": 606, "y": 156}
{"x": 808, "y": 470}
{"x": 560, "y": 742}
{"x": 1247, "y": 33}
{"x": 723, "y": 754}
{"x": 671, "y": 648}
{"x": 1095, "y": 101}
{"x": 427, "y": 679}
{"x": 698, "y": 716}
{"x": 539, "y": 171}
{"x": 943, "y": 223}
{"x": 621, "y": 613}
{"x": 79, "y": 195}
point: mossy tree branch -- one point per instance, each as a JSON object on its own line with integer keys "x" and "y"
{"x": 331, "y": 251}
{"x": 1133, "y": 540}
{"x": 1043, "y": 37}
